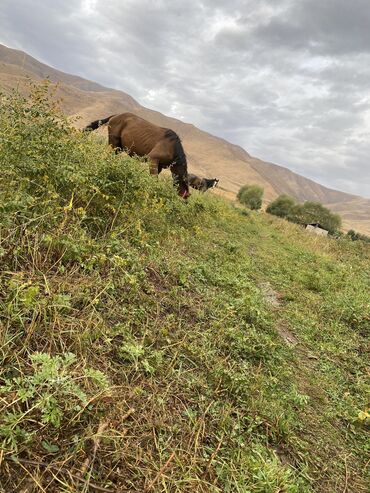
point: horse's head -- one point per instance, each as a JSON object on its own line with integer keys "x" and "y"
{"x": 180, "y": 179}
{"x": 183, "y": 188}
{"x": 215, "y": 182}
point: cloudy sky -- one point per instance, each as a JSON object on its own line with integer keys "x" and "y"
{"x": 289, "y": 80}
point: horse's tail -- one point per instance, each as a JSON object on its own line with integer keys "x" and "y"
{"x": 97, "y": 123}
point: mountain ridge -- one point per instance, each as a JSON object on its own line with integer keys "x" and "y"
{"x": 208, "y": 155}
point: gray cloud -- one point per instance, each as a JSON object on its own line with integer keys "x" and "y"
{"x": 333, "y": 27}
{"x": 288, "y": 82}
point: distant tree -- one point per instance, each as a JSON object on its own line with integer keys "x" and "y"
{"x": 307, "y": 213}
{"x": 283, "y": 206}
{"x": 251, "y": 196}
{"x": 355, "y": 236}
{"x": 314, "y": 212}
{"x": 333, "y": 222}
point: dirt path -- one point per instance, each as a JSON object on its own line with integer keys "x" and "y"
{"x": 320, "y": 433}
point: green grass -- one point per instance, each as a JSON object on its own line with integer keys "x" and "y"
{"x": 148, "y": 344}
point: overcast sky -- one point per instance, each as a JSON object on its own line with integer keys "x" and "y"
{"x": 289, "y": 80}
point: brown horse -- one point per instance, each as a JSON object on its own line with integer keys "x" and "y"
{"x": 139, "y": 137}
{"x": 202, "y": 184}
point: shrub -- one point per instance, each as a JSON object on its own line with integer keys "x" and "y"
{"x": 283, "y": 206}
{"x": 307, "y": 213}
{"x": 314, "y": 212}
{"x": 251, "y": 196}
{"x": 50, "y": 169}
{"x": 355, "y": 236}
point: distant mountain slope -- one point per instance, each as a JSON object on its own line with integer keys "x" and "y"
{"x": 207, "y": 155}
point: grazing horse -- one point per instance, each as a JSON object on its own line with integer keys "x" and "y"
{"x": 202, "y": 184}
{"x": 139, "y": 137}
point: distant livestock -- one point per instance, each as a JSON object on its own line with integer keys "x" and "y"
{"x": 139, "y": 137}
{"x": 202, "y": 184}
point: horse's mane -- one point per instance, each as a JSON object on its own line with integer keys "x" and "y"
{"x": 180, "y": 157}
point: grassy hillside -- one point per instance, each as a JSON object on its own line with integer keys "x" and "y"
{"x": 148, "y": 344}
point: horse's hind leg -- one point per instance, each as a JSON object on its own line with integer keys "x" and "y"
{"x": 154, "y": 158}
{"x": 115, "y": 142}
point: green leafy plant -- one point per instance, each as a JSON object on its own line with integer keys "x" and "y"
{"x": 51, "y": 392}
{"x": 283, "y": 206}
{"x": 251, "y": 196}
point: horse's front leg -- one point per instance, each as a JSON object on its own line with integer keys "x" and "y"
{"x": 115, "y": 142}
{"x": 153, "y": 166}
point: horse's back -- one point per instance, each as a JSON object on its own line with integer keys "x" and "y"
{"x": 141, "y": 137}
{"x": 121, "y": 119}
{"x": 130, "y": 119}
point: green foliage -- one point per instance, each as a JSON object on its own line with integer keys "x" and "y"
{"x": 284, "y": 206}
{"x": 54, "y": 172}
{"x": 251, "y": 196}
{"x": 314, "y": 212}
{"x": 354, "y": 236}
{"x": 263, "y": 473}
{"x": 50, "y": 393}
{"x": 307, "y": 213}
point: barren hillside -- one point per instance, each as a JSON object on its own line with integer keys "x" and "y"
{"x": 208, "y": 155}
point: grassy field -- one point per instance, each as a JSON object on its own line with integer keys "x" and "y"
{"x": 153, "y": 345}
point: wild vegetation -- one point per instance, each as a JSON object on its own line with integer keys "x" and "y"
{"x": 306, "y": 213}
{"x": 148, "y": 344}
{"x": 283, "y": 206}
{"x": 251, "y": 196}
{"x": 355, "y": 236}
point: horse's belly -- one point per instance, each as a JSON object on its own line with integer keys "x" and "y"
{"x": 133, "y": 148}
{"x": 136, "y": 147}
